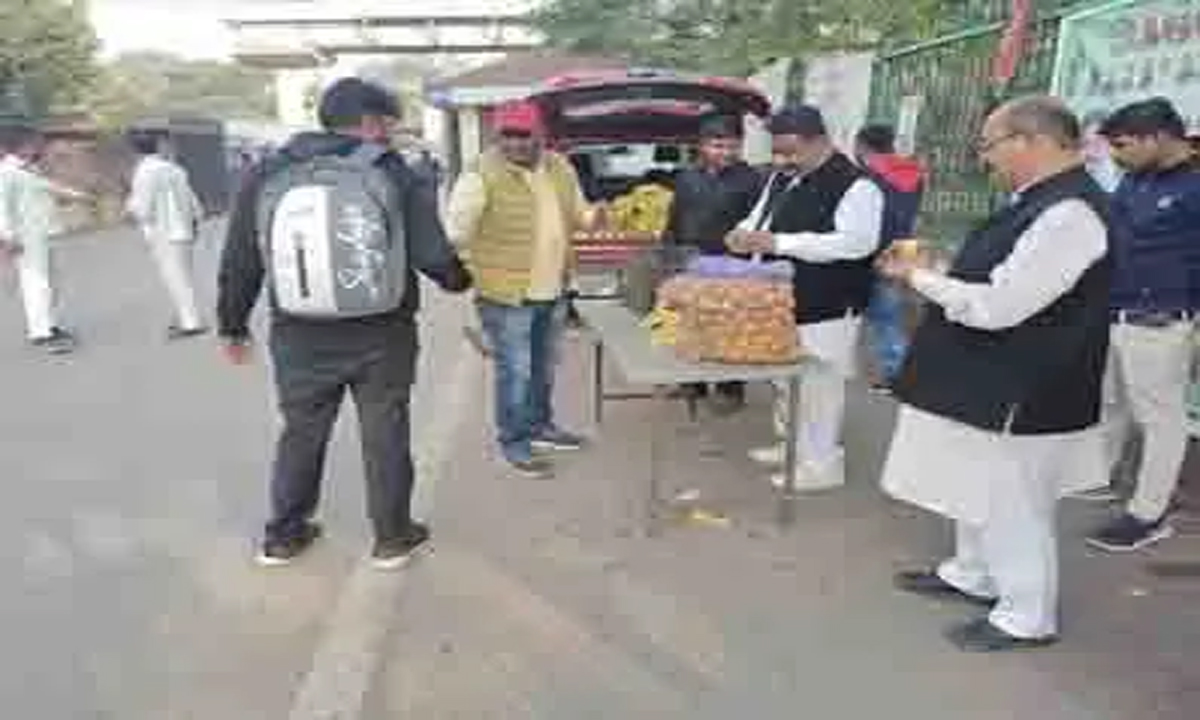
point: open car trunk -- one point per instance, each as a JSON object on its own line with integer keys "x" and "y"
{"x": 641, "y": 106}
{"x": 624, "y": 129}
{"x": 651, "y": 119}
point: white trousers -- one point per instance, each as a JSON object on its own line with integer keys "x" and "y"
{"x": 823, "y": 389}
{"x": 176, "y": 267}
{"x": 1146, "y": 383}
{"x": 1012, "y": 555}
{"x": 35, "y": 266}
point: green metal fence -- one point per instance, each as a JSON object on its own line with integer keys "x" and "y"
{"x": 951, "y": 77}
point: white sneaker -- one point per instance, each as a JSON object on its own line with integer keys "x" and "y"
{"x": 811, "y": 477}
{"x": 773, "y": 455}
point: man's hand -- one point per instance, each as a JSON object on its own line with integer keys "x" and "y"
{"x": 70, "y": 194}
{"x": 750, "y": 242}
{"x": 903, "y": 258}
{"x": 596, "y": 217}
{"x": 236, "y": 351}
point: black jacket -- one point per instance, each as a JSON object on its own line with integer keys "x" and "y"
{"x": 242, "y": 271}
{"x": 707, "y": 205}
{"x": 823, "y": 291}
{"x": 1043, "y": 376}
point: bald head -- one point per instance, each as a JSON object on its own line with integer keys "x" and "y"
{"x": 1040, "y": 116}
{"x": 1029, "y": 139}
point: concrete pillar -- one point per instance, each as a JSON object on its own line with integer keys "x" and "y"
{"x": 292, "y": 91}
{"x": 470, "y": 124}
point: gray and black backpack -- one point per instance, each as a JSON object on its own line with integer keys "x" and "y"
{"x": 333, "y": 237}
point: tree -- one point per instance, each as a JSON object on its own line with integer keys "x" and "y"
{"x": 47, "y": 50}
{"x": 138, "y": 85}
{"x": 732, "y": 36}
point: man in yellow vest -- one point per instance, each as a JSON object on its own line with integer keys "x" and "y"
{"x": 513, "y": 216}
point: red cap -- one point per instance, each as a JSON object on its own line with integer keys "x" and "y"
{"x": 518, "y": 116}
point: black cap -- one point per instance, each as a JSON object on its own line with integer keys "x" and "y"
{"x": 348, "y": 100}
{"x": 802, "y": 120}
{"x": 720, "y": 127}
{"x": 1146, "y": 118}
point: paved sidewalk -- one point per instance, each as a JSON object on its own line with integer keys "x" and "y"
{"x": 542, "y": 599}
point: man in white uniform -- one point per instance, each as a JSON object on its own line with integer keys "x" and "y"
{"x": 1004, "y": 378}
{"x": 29, "y": 219}
{"x": 162, "y": 202}
{"x": 819, "y": 210}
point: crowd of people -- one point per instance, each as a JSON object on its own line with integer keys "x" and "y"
{"x": 1063, "y": 320}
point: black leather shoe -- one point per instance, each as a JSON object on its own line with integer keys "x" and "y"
{"x": 981, "y": 636}
{"x": 928, "y": 583}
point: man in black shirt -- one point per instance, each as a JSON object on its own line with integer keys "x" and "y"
{"x": 709, "y": 200}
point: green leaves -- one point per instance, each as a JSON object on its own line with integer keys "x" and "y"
{"x": 137, "y": 85}
{"x": 733, "y": 36}
{"x": 46, "y": 54}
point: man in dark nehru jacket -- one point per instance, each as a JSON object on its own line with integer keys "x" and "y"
{"x": 709, "y": 200}
{"x": 1004, "y": 377}
{"x": 819, "y": 210}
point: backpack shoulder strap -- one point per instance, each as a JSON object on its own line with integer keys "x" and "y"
{"x": 368, "y": 153}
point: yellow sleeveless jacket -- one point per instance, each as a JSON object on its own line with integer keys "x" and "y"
{"x": 500, "y": 254}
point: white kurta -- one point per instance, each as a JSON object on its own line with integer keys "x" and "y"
{"x": 29, "y": 218}
{"x": 963, "y": 472}
{"x": 163, "y": 202}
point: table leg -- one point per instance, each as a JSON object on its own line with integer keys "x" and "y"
{"x": 787, "y": 499}
{"x": 657, "y": 457}
{"x": 598, "y": 381}
{"x": 693, "y": 408}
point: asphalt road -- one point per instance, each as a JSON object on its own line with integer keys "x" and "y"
{"x": 135, "y": 476}
{"x": 135, "y": 487}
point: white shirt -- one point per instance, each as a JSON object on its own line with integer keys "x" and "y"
{"x": 28, "y": 213}
{"x": 857, "y": 225}
{"x": 1046, "y": 261}
{"x": 162, "y": 200}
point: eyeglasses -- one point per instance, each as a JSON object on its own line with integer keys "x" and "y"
{"x": 984, "y": 146}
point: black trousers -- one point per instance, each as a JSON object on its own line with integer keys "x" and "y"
{"x": 314, "y": 367}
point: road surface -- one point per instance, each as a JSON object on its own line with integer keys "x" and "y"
{"x": 135, "y": 488}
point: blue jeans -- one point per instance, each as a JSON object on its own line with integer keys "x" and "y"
{"x": 524, "y": 342}
{"x": 886, "y": 332}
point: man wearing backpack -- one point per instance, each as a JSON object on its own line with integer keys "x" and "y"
{"x": 337, "y": 224}
{"x": 902, "y": 179}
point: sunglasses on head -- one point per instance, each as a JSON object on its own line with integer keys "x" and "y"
{"x": 516, "y": 134}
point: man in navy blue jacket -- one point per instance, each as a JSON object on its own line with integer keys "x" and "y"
{"x": 1156, "y": 221}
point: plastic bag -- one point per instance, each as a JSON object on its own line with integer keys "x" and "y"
{"x": 735, "y": 320}
{"x": 723, "y": 266}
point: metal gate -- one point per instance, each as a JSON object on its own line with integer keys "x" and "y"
{"x": 946, "y": 84}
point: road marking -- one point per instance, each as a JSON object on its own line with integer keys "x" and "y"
{"x": 350, "y": 649}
